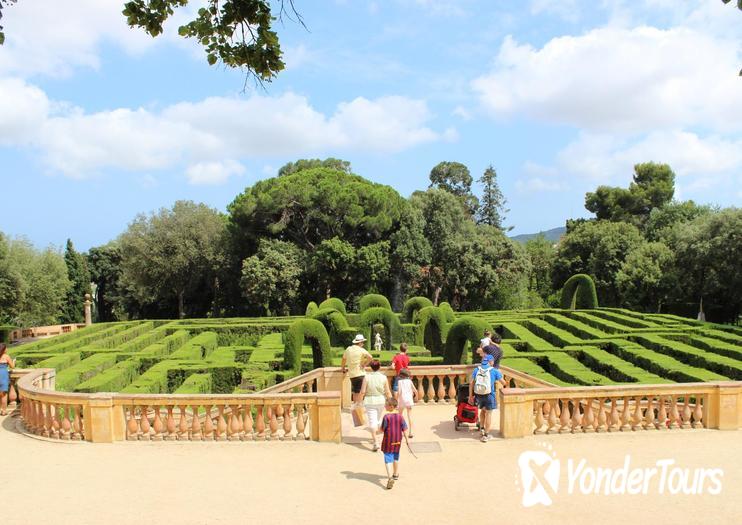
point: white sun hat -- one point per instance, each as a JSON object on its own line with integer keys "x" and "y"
{"x": 359, "y": 339}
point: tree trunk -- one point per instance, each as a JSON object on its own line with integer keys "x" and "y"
{"x": 181, "y": 309}
{"x": 436, "y": 295}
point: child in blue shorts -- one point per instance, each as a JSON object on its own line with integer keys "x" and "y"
{"x": 394, "y": 428}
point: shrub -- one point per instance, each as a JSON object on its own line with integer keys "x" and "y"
{"x": 373, "y": 300}
{"x": 447, "y": 311}
{"x": 333, "y": 302}
{"x": 466, "y": 329}
{"x": 70, "y": 377}
{"x": 412, "y": 306}
{"x": 313, "y": 330}
{"x": 311, "y": 309}
{"x": 335, "y": 323}
{"x": 195, "y": 384}
{"x": 579, "y": 292}
{"x": 431, "y": 320}
{"x": 113, "y": 379}
{"x": 383, "y": 316}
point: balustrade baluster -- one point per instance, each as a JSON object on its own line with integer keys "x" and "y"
{"x": 686, "y": 414}
{"x": 221, "y": 424}
{"x": 157, "y": 424}
{"x": 47, "y": 431}
{"x": 260, "y": 424}
{"x": 420, "y": 390}
{"x": 208, "y": 424}
{"x": 65, "y": 426}
{"x": 300, "y": 422}
{"x": 588, "y": 418}
{"x": 698, "y": 413}
{"x": 247, "y": 422}
{"x": 195, "y": 424}
{"x": 287, "y": 429}
{"x": 576, "y": 416}
{"x": 441, "y": 390}
{"x": 636, "y": 423}
{"x": 56, "y": 421}
{"x": 431, "y": 391}
{"x": 77, "y": 430}
{"x": 236, "y": 423}
{"x": 649, "y": 414}
{"x": 183, "y": 424}
{"x": 12, "y": 394}
{"x": 553, "y": 420}
{"x": 565, "y": 418}
{"x": 539, "y": 416}
{"x": 279, "y": 411}
{"x": 613, "y": 419}
{"x": 451, "y": 389}
{"x": 661, "y": 414}
{"x": 144, "y": 423}
{"x": 674, "y": 414}
{"x": 272, "y": 421}
{"x": 132, "y": 428}
{"x": 601, "y": 422}
{"x": 625, "y": 416}
{"x": 170, "y": 425}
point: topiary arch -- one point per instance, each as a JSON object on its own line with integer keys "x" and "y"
{"x": 431, "y": 325}
{"x": 382, "y": 316}
{"x": 373, "y": 300}
{"x": 412, "y": 306}
{"x": 469, "y": 329}
{"x": 447, "y": 311}
{"x": 579, "y": 292}
{"x": 333, "y": 302}
{"x": 335, "y": 324}
{"x": 300, "y": 330}
{"x": 312, "y": 309}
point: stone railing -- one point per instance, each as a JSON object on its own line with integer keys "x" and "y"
{"x": 106, "y": 417}
{"x": 620, "y": 408}
{"x": 434, "y": 383}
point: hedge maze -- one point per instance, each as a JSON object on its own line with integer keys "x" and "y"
{"x": 593, "y": 346}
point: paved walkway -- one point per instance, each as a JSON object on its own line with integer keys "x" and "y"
{"x": 466, "y": 482}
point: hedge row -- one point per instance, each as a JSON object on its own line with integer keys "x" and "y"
{"x": 75, "y": 343}
{"x": 113, "y": 379}
{"x": 579, "y": 292}
{"x": 59, "y": 361}
{"x": 431, "y": 320}
{"x": 412, "y": 306}
{"x": 195, "y": 384}
{"x": 528, "y": 366}
{"x": 613, "y": 367}
{"x": 464, "y": 330}
{"x": 306, "y": 329}
{"x": 622, "y": 319}
{"x": 66, "y": 338}
{"x": 582, "y": 330}
{"x": 373, "y": 300}
{"x": 534, "y": 343}
{"x": 551, "y": 333}
{"x": 333, "y": 302}
{"x": 710, "y": 344}
{"x": 72, "y": 376}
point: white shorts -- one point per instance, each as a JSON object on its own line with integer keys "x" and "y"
{"x": 405, "y": 403}
{"x": 373, "y": 413}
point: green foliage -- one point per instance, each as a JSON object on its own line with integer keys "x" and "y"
{"x": 454, "y": 178}
{"x": 271, "y": 277}
{"x": 373, "y": 300}
{"x": 412, "y": 306}
{"x": 541, "y": 253}
{"x": 195, "y": 384}
{"x": 336, "y": 325}
{"x": 306, "y": 164}
{"x": 334, "y": 303}
{"x": 383, "y": 316}
{"x": 317, "y": 334}
{"x": 462, "y": 331}
{"x": 79, "y": 276}
{"x": 312, "y": 309}
{"x": 579, "y": 292}
{"x": 112, "y": 301}
{"x": 431, "y": 329}
{"x": 646, "y": 277}
{"x": 492, "y": 204}
{"x": 236, "y": 32}
{"x": 448, "y": 312}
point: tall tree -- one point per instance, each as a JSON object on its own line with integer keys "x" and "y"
{"x": 456, "y": 179}
{"x": 79, "y": 276}
{"x": 305, "y": 164}
{"x": 110, "y": 294}
{"x": 270, "y": 278}
{"x": 541, "y": 253}
{"x": 646, "y": 278}
{"x": 492, "y": 204}
{"x": 173, "y": 252}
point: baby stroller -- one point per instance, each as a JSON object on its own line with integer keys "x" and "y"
{"x": 465, "y": 413}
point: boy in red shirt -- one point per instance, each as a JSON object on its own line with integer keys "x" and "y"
{"x": 400, "y": 361}
{"x": 394, "y": 428}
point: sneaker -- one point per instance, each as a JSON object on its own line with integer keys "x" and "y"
{"x": 485, "y": 438}
{"x": 395, "y": 477}
{"x": 376, "y": 448}
{"x": 390, "y": 483}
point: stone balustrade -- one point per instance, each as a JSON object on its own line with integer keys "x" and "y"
{"x": 620, "y": 408}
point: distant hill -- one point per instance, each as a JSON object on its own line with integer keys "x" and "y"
{"x": 552, "y": 235}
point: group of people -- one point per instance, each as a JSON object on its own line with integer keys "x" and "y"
{"x": 6, "y": 363}
{"x": 372, "y": 391}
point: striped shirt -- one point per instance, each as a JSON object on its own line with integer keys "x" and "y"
{"x": 393, "y": 425}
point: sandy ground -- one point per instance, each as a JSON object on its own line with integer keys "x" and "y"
{"x": 466, "y": 481}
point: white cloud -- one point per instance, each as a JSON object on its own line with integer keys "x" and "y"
{"x": 614, "y": 79}
{"x": 462, "y": 112}
{"x": 565, "y": 9}
{"x": 213, "y": 172}
{"x": 79, "y": 144}
{"x": 539, "y": 178}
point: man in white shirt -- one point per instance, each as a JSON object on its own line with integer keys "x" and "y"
{"x": 355, "y": 359}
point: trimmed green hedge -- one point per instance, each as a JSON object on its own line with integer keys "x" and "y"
{"x": 579, "y": 292}
{"x": 197, "y": 348}
{"x": 465, "y": 329}
{"x": 72, "y": 376}
{"x": 570, "y": 370}
{"x": 306, "y": 329}
{"x": 447, "y": 311}
{"x": 556, "y": 336}
{"x": 412, "y": 306}
{"x": 534, "y": 343}
{"x": 195, "y": 384}
{"x": 613, "y": 367}
{"x": 431, "y": 320}
{"x": 333, "y": 302}
{"x": 335, "y": 323}
{"x": 383, "y": 316}
{"x": 373, "y": 300}
{"x": 311, "y": 309}
{"x": 113, "y": 379}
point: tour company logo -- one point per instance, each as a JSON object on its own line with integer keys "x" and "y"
{"x": 540, "y": 481}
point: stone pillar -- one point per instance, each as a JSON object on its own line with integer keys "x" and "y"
{"x": 99, "y": 419}
{"x": 88, "y": 314}
{"x": 325, "y": 418}
{"x": 725, "y": 410}
{"x": 333, "y": 380}
{"x": 516, "y": 413}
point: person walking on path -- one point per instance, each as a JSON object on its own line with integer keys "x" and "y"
{"x": 355, "y": 359}
{"x": 6, "y": 363}
{"x": 494, "y": 350}
{"x": 375, "y": 391}
{"x": 406, "y": 396}
{"x": 394, "y": 428}
{"x": 482, "y": 387}
{"x": 400, "y": 361}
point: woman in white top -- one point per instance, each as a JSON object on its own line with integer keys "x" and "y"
{"x": 406, "y": 396}
{"x": 374, "y": 391}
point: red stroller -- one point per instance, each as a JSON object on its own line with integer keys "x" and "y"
{"x": 465, "y": 413}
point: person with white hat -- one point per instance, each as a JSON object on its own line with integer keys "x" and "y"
{"x": 355, "y": 359}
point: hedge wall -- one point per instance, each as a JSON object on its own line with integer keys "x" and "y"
{"x": 431, "y": 319}
{"x": 447, "y": 311}
{"x": 579, "y": 292}
{"x": 465, "y": 329}
{"x": 311, "y": 309}
{"x": 313, "y": 330}
{"x": 412, "y": 306}
{"x": 335, "y": 323}
{"x": 382, "y": 316}
{"x": 333, "y": 302}
{"x": 373, "y": 300}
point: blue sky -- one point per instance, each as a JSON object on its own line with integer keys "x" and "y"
{"x": 99, "y": 122}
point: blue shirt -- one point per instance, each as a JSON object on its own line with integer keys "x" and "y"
{"x": 495, "y": 375}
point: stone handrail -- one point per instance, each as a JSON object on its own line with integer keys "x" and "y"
{"x": 620, "y": 408}
{"x": 108, "y": 417}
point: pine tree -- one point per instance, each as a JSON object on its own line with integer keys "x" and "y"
{"x": 79, "y": 276}
{"x": 492, "y": 208}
